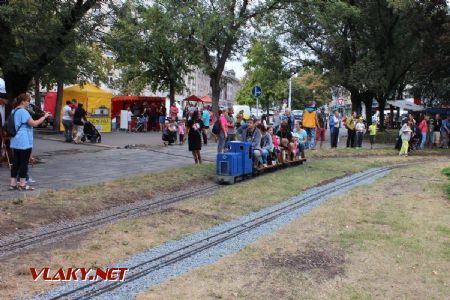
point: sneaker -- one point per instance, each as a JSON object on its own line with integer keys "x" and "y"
{"x": 31, "y": 180}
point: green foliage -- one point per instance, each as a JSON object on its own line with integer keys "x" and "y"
{"x": 309, "y": 85}
{"x": 265, "y": 68}
{"x": 446, "y": 172}
{"x": 152, "y": 47}
{"x": 35, "y": 33}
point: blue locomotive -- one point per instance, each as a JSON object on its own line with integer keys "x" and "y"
{"x": 236, "y": 162}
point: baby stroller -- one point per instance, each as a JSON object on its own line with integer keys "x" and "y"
{"x": 91, "y": 133}
{"x": 416, "y": 138}
{"x": 141, "y": 123}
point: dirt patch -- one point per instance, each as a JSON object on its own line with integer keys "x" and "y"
{"x": 327, "y": 261}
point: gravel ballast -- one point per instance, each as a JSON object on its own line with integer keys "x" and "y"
{"x": 209, "y": 255}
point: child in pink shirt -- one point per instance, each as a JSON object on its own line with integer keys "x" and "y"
{"x": 182, "y": 131}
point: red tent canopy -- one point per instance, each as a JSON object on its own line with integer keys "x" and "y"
{"x": 193, "y": 98}
{"x": 206, "y": 99}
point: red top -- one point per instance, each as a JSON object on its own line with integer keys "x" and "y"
{"x": 423, "y": 126}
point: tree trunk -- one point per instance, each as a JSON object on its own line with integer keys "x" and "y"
{"x": 59, "y": 102}
{"x": 368, "y": 104}
{"x": 356, "y": 99}
{"x": 391, "y": 117}
{"x": 15, "y": 84}
{"x": 37, "y": 92}
{"x": 172, "y": 92}
{"x": 381, "y": 104}
{"x": 215, "y": 87}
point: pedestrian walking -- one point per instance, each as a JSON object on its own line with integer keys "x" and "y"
{"x": 437, "y": 124}
{"x": 206, "y": 121}
{"x": 67, "y": 121}
{"x": 372, "y": 134}
{"x": 350, "y": 124}
{"x": 405, "y": 134}
{"x": 360, "y": 129}
{"x": 310, "y": 123}
{"x": 336, "y": 127}
{"x": 195, "y": 128}
{"x": 22, "y": 142}
{"x": 174, "y": 112}
{"x": 162, "y": 116}
{"x": 423, "y": 126}
{"x": 79, "y": 118}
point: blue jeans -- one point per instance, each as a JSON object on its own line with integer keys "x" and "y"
{"x": 311, "y": 132}
{"x": 264, "y": 154}
{"x": 423, "y": 141}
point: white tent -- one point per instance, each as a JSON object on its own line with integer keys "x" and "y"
{"x": 406, "y": 105}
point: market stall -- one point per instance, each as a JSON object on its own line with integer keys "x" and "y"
{"x": 96, "y": 102}
{"x": 136, "y": 103}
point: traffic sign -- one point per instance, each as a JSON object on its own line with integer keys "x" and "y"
{"x": 341, "y": 101}
{"x": 256, "y": 91}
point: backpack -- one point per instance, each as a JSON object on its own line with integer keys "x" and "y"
{"x": 216, "y": 127}
{"x": 11, "y": 125}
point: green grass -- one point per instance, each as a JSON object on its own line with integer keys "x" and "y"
{"x": 446, "y": 172}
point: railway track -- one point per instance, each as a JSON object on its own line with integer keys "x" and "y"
{"x": 100, "y": 288}
{"x": 56, "y": 232}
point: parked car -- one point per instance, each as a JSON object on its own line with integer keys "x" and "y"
{"x": 298, "y": 115}
{"x": 36, "y": 113}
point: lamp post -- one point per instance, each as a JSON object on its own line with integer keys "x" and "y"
{"x": 290, "y": 93}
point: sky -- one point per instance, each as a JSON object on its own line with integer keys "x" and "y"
{"x": 237, "y": 66}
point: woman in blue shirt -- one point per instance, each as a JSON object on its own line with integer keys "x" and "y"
{"x": 22, "y": 142}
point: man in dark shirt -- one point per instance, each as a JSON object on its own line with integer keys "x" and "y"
{"x": 253, "y": 135}
{"x": 79, "y": 118}
{"x": 437, "y": 124}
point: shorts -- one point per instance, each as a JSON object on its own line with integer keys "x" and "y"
{"x": 436, "y": 139}
{"x": 320, "y": 134}
{"x": 162, "y": 120}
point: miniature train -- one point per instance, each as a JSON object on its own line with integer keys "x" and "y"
{"x": 237, "y": 163}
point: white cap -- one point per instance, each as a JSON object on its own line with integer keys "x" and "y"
{"x": 2, "y": 86}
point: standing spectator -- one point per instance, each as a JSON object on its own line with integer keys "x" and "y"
{"x": 174, "y": 112}
{"x": 223, "y": 134}
{"x": 331, "y": 124}
{"x": 437, "y": 124}
{"x": 129, "y": 115}
{"x": 153, "y": 115}
{"x": 372, "y": 134}
{"x": 162, "y": 116}
{"x": 360, "y": 129}
{"x": 22, "y": 142}
{"x": 310, "y": 123}
{"x": 182, "y": 131}
{"x": 423, "y": 126}
{"x": 289, "y": 119}
{"x": 79, "y": 118}
{"x": 192, "y": 109}
{"x": 266, "y": 145}
{"x": 405, "y": 134}
{"x": 445, "y": 132}
{"x": 239, "y": 118}
{"x": 67, "y": 121}
{"x": 336, "y": 126}
{"x": 231, "y": 124}
{"x": 195, "y": 128}
{"x": 253, "y": 135}
{"x": 74, "y": 106}
{"x": 350, "y": 124}
{"x": 206, "y": 121}
{"x": 322, "y": 126}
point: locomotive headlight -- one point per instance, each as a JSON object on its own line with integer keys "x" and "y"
{"x": 224, "y": 157}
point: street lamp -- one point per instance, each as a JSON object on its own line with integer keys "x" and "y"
{"x": 290, "y": 90}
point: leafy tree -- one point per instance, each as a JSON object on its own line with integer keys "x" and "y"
{"x": 309, "y": 85}
{"x": 368, "y": 47}
{"x": 221, "y": 29}
{"x": 152, "y": 47}
{"x": 34, "y": 33}
{"x": 265, "y": 68}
